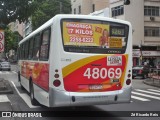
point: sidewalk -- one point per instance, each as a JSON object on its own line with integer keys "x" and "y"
{"x": 5, "y": 87}
{"x": 152, "y": 81}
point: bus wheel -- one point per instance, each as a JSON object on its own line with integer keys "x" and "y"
{"x": 19, "y": 79}
{"x": 33, "y": 100}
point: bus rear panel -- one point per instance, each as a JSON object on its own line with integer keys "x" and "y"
{"x": 94, "y": 62}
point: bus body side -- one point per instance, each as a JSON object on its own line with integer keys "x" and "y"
{"x": 34, "y": 73}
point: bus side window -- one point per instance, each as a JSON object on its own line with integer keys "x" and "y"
{"x": 44, "y": 51}
{"x": 36, "y": 47}
{"x": 26, "y": 50}
{"x": 22, "y": 55}
{"x": 19, "y": 53}
{"x": 30, "y": 48}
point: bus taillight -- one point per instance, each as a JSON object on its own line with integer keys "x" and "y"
{"x": 129, "y": 75}
{"x": 128, "y": 81}
{"x": 56, "y": 75}
{"x": 56, "y": 83}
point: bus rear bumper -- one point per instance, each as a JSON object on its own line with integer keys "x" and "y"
{"x": 62, "y": 98}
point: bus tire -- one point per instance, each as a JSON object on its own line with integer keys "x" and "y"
{"x": 33, "y": 100}
{"x": 19, "y": 79}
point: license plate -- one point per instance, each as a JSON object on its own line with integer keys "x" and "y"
{"x": 95, "y": 87}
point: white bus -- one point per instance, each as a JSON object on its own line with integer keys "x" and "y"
{"x": 76, "y": 60}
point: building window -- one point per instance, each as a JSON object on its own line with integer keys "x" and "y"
{"x": 152, "y": 31}
{"x": 74, "y": 10}
{"x": 116, "y": 11}
{"x": 79, "y": 9}
{"x": 151, "y": 11}
{"x": 93, "y": 7}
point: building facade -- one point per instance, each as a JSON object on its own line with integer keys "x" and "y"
{"x": 24, "y": 28}
{"x": 16, "y": 26}
{"x": 27, "y": 27}
{"x": 144, "y": 16}
{"x": 88, "y": 6}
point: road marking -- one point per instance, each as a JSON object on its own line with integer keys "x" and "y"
{"x": 25, "y": 97}
{"x": 7, "y": 72}
{"x": 139, "y": 98}
{"x": 154, "y": 97}
{"x": 154, "y": 90}
{"x": 147, "y": 92}
{"x": 14, "y": 71}
{"x": 4, "y": 98}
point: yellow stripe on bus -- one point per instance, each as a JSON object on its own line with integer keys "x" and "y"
{"x": 125, "y": 72}
{"x": 80, "y": 63}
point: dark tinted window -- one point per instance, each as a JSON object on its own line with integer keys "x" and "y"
{"x": 31, "y": 40}
{"x": 44, "y": 50}
{"x": 36, "y": 47}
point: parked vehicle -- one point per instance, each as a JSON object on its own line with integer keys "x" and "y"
{"x": 5, "y": 66}
{"x": 141, "y": 71}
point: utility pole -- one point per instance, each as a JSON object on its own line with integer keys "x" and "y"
{"x": 60, "y": 5}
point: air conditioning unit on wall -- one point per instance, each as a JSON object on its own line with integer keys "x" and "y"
{"x": 152, "y": 18}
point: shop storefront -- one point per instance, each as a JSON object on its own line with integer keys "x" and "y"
{"x": 136, "y": 57}
{"x": 150, "y": 57}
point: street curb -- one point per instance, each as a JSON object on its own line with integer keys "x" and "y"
{"x": 5, "y": 87}
{"x": 151, "y": 84}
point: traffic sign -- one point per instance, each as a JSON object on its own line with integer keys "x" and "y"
{"x": 1, "y": 47}
{"x": 1, "y": 41}
{"x": 1, "y": 36}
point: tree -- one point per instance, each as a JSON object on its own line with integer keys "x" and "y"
{"x": 48, "y": 9}
{"x": 11, "y": 40}
{"x": 10, "y": 10}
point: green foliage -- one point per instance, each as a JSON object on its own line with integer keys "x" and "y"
{"x": 48, "y": 9}
{"x": 10, "y": 10}
{"x": 11, "y": 40}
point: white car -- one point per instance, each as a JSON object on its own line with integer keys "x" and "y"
{"x": 5, "y": 66}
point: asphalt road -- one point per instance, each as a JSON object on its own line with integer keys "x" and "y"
{"x": 144, "y": 99}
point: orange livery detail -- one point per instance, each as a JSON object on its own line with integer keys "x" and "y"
{"x": 39, "y": 72}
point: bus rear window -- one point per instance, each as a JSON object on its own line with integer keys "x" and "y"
{"x": 94, "y": 36}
